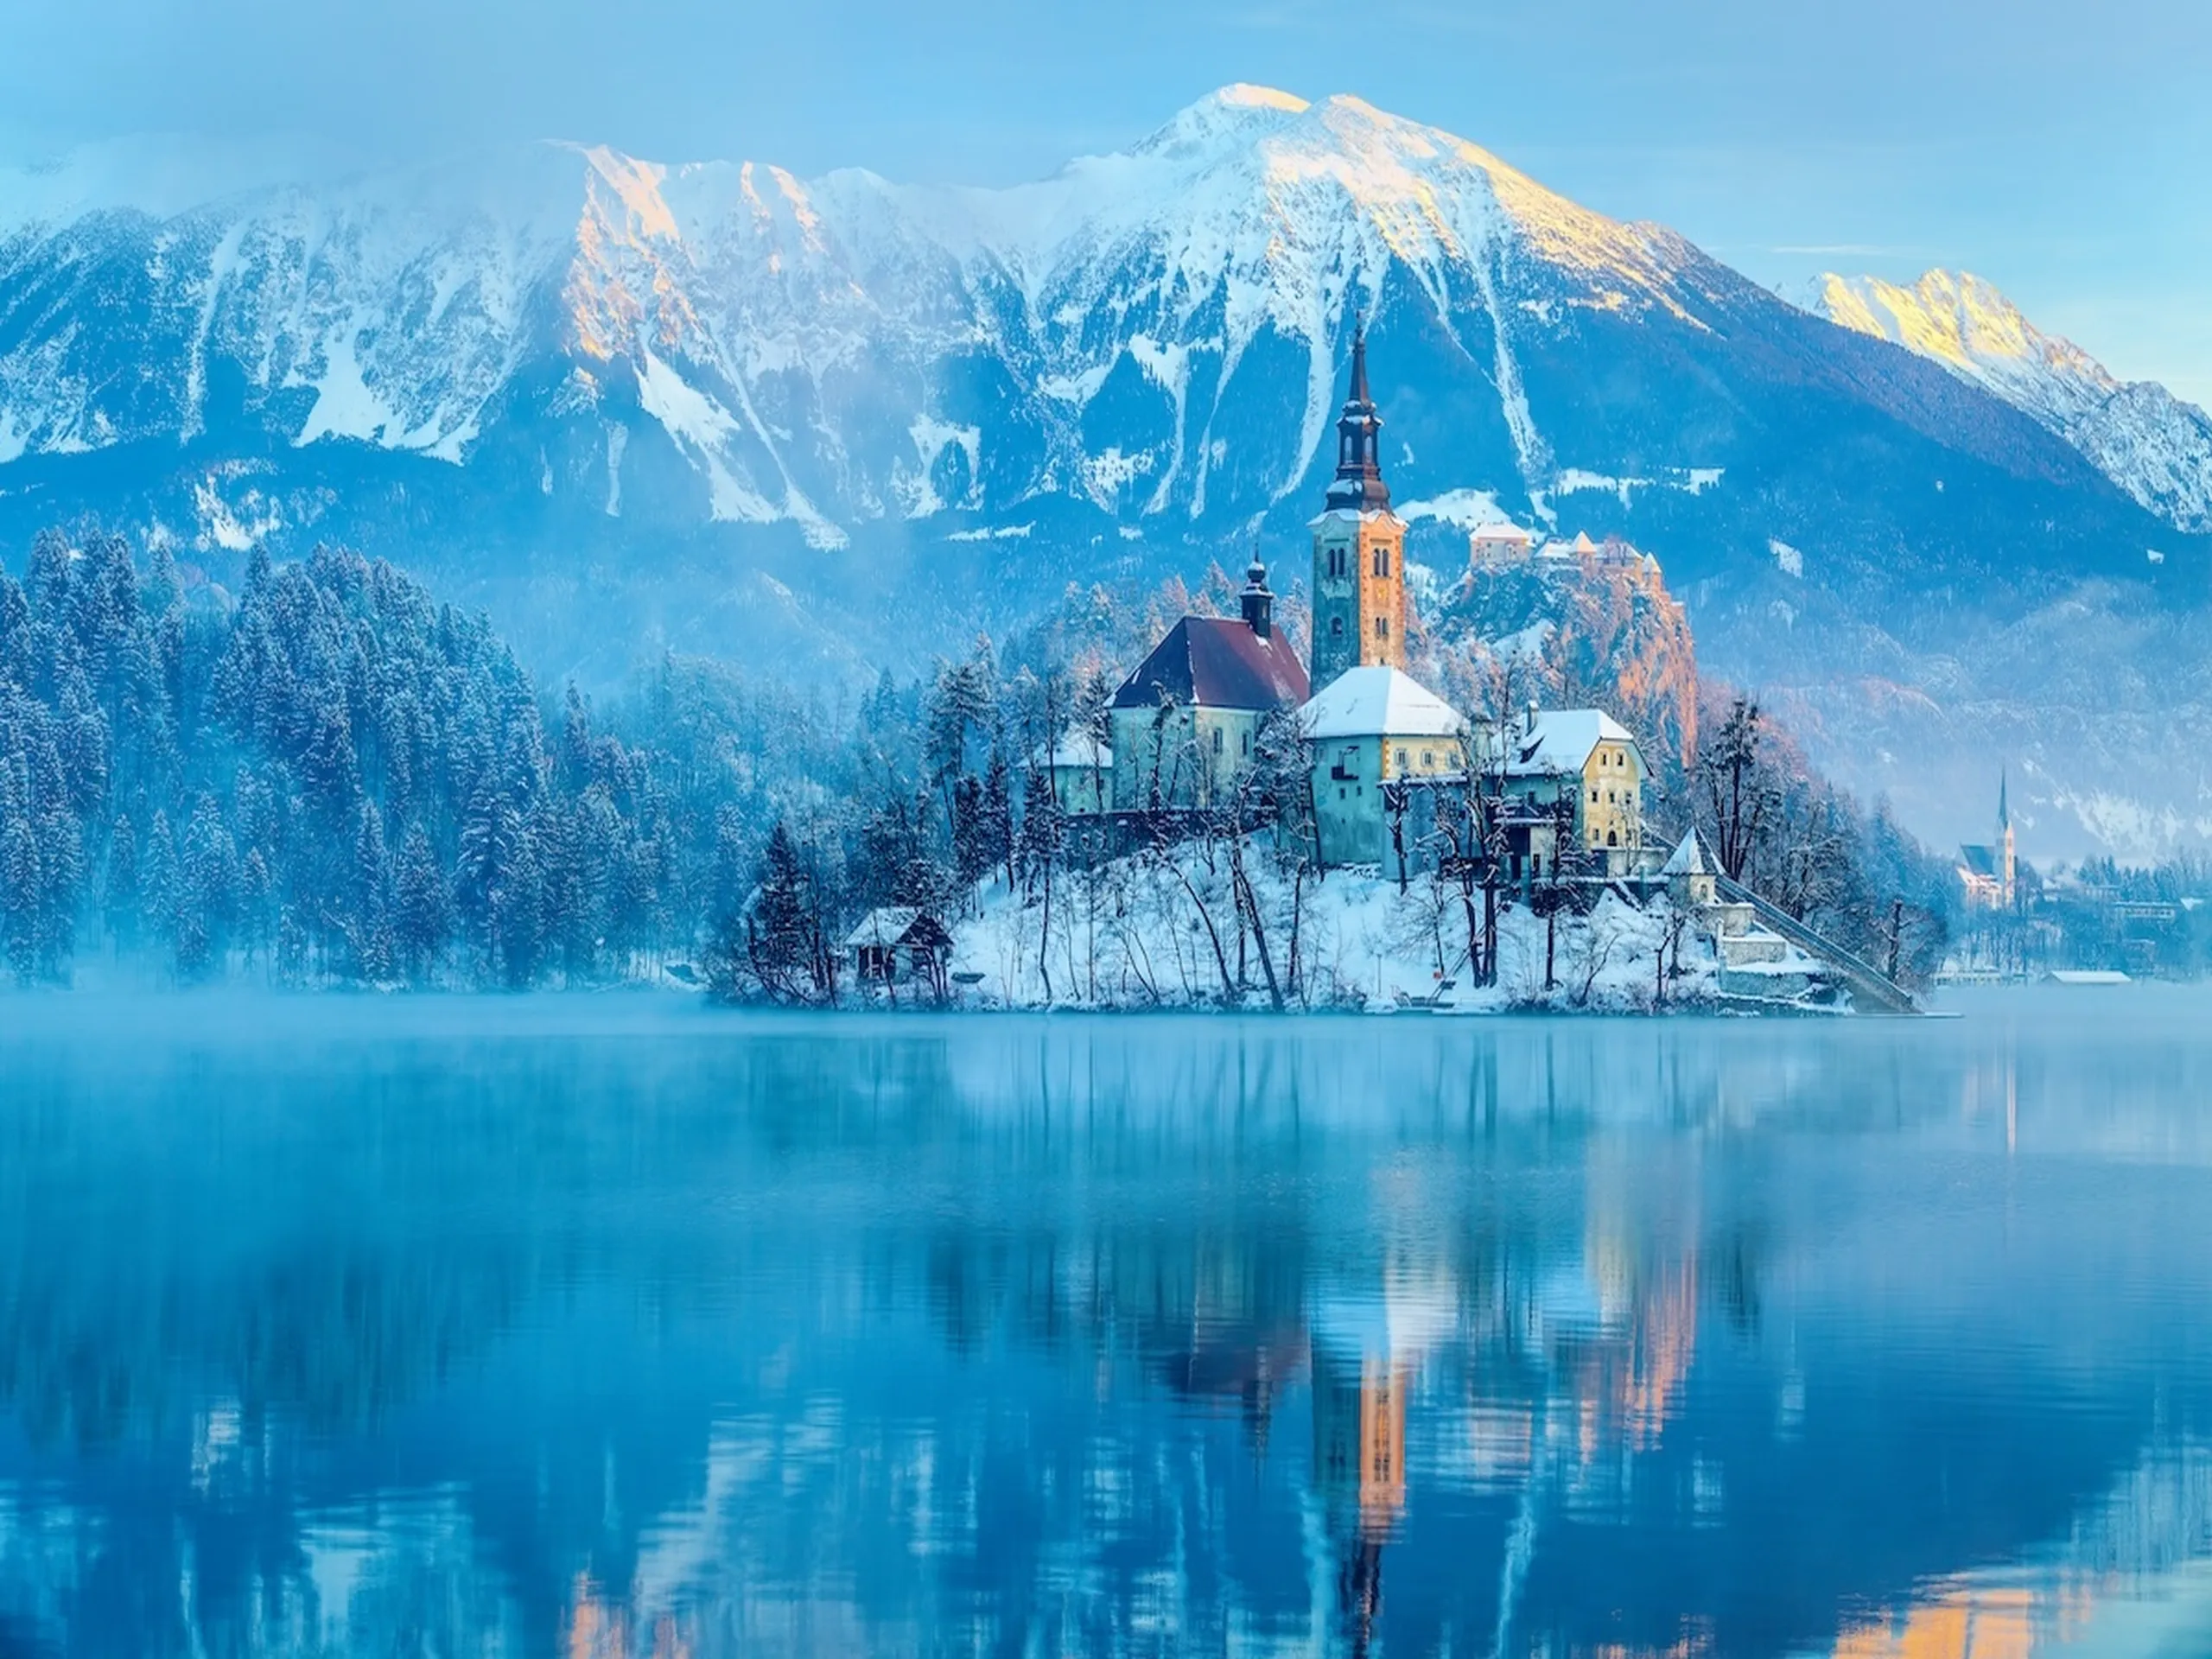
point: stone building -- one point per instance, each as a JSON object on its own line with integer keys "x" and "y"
{"x": 1370, "y": 728}
{"x": 1185, "y": 723}
{"x": 1081, "y": 769}
{"x": 1587, "y": 756}
{"x": 1492, "y": 547}
{"x": 1359, "y": 546}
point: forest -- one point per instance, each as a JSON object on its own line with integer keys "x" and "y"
{"x": 328, "y": 777}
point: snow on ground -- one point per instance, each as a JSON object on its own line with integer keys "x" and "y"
{"x": 1132, "y": 934}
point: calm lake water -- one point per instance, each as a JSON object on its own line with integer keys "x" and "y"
{"x": 605, "y": 1326}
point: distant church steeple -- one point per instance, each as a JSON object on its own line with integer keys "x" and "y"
{"x": 2010, "y": 869}
{"x": 1359, "y": 545}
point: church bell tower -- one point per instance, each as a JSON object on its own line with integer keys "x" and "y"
{"x": 1359, "y": 546}
{"x": 2009, "y": 869}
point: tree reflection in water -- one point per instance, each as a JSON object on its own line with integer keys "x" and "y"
{"x": 559, "y": 1328}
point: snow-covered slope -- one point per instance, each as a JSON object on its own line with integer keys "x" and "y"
{"x": 2148, "y": 442}
{"x": 819, "y": 425}
{"x": 824, "y": 353}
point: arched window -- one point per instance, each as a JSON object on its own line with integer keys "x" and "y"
{"x": 1612, "y": 837}
{"x": 1336, "y": 627}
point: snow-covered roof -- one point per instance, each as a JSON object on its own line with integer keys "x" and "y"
{"x": 1688, "y": 858}
{"x": 1561, "y": 741}
{"x": 889, "y": 924}
{"x": 1502, "y": 533}
{"x": 1378, "y": 701}
{"x": 1349, "y": 516}
{"x": 1078, "y": 748}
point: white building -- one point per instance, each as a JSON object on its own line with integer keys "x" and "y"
{"x": 1492, "y": 546}
{"x": 1082, "y": 771}
{"x": 1370, "y": 726}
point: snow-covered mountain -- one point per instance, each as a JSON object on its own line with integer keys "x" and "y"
{"x": 2140, "y": 435}
{"x": 816, "y": 424}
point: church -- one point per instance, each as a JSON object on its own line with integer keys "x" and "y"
{"x": 1187, "y": 723}
{"x": 1991, "y": 875}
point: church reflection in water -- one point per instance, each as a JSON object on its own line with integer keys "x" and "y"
{"x": 1120, "y": 1339}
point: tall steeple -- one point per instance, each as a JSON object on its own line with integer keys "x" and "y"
{"x": 1359, "y": 483}
{"x": 2012, "y": 865}
{"x": 1359, "y": 545}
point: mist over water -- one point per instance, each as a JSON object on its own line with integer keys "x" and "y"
{"x": 607, "y": 1326}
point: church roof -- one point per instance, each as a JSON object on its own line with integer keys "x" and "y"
{"x": 1378, "y": 701}
{"x": 1978, "y": 861}
{"x": 1218, "y": 662}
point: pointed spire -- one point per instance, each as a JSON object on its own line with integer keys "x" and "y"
{"x": 2004, "y": 810}
{"x": 1359, "y": 483}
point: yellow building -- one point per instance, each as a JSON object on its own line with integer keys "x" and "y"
{"x": 1587, "y": 755}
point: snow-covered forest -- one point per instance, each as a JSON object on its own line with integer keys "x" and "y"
{"x": 328, "y": 777}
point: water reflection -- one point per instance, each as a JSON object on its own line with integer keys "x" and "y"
{"x": 671, "y": 1336}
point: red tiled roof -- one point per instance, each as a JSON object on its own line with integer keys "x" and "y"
{"x": 1218, "y": 662}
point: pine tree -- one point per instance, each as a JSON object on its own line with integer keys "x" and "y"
{"x": 119, "y": 896}
{"x": 425, "y": 917}
{"x": 783, "y": 933}
{"x": 161, "y": 883}
{"x": 22, "y": 880}
{"x": 209, "y": 901}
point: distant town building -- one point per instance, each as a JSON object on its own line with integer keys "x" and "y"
{"x": 1359, "y": 546}
{"x": 1185, "y": 724}
{"x": 1370, "y": 726}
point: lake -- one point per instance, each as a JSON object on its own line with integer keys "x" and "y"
{"x": 597, "y": 1326}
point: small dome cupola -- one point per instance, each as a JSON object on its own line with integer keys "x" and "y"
{"x": 1257, "y": 603}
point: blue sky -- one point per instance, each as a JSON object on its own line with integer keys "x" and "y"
{"x": 2064, "y": 151}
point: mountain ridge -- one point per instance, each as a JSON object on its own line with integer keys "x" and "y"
{"x": 818, "y": 425}
{"x": 2154, "y": 445}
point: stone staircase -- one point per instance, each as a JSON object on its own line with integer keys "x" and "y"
{"x": 1871, "y": 988}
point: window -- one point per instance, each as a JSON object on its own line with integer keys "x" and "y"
{"x": 1428, "y": 757}
{"x": 1336, "y": 627}
{"x": 1402, "y": 759}
{"x": 1613, "y": 838}
{"x": 1248, "y": 742}
{"x": 1382, "y": 628}
{"x": 1216, "y": 740}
